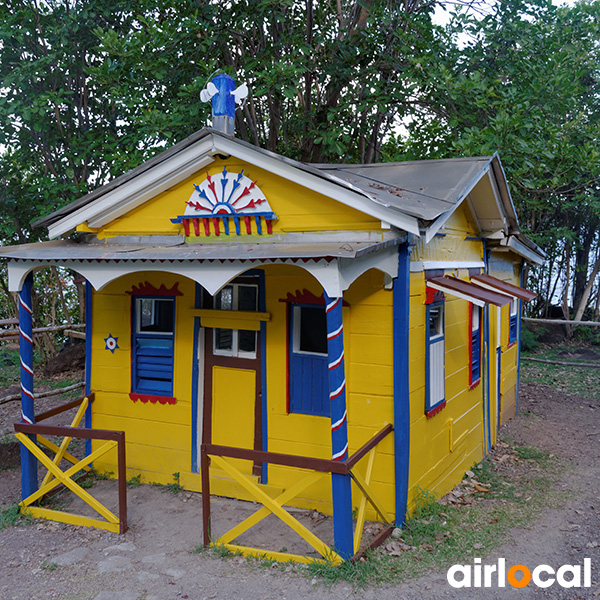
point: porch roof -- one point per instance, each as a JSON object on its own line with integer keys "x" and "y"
{"x": 173, "y": 248}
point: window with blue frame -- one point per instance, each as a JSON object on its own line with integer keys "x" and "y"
{"x": 514, "y": 319}
{"x": 435, "y": 357}
{"x": 153, "y": 345}
{"x": 475, "y": 354}
{"x": 308, "y": 361}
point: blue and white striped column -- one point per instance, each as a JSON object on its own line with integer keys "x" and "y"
{"x": 340, "y": 484}
{"x": 29, "y": 483}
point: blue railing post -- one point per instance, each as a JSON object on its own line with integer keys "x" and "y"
{"x": 340, "y": 484}
{"x": 29, "y": 483}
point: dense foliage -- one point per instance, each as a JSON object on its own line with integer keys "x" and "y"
{"x": 91, "y": 89}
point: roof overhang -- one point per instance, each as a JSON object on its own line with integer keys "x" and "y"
{"x": 334, "y": 262}
{"x": 468, "y": 291}
{"x": 494, "y": 220}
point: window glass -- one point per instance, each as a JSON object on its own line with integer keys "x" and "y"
{"x": 154, "y": 315}
{"x": 247, "y": 297}
{"x": 312, "y": 330}
{"x": 435, "y": 320}
{"x": 224, "y": 299}
{"x": 236, "y": 342}
{"x": 223, "y": 339}
{"x": 475, "y": 318}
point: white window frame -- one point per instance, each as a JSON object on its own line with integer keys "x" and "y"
{"x": 235, "y": 351}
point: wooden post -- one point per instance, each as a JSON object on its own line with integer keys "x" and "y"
{"x": 29, "y": 483}
{"x": 204, "y": 466}
{"x": 88, "y": 360}
{"x": 341, "y": 486}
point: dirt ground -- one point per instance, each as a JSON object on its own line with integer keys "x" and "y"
{"x": 155, "y": 558}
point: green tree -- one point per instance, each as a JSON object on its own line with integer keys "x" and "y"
{"x": 522, "y": 81}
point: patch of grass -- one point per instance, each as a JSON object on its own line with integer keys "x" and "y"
{"x": 135, "y": 481}
{"x": 174, "y": 487}
{"x": 579, "y": 381}
{"x": 12, "y": 517}
{"x": 48, "y": 566}
{"x": 437, "y": 536}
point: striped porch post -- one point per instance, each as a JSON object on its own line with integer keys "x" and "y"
{"x": 340, "y": 484}
{"x": 29, "y": 483}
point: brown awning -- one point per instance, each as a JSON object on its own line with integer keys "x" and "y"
{"x": 468, "y": 291}
{"x": 497, "y": 285}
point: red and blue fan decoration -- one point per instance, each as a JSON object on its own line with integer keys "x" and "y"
{"x": 224, "y": 203}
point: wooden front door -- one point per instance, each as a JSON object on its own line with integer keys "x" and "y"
{"x": 232, "y": 384}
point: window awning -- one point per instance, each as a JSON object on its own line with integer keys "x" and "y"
{"x": 497, "y": 285}
{"x": 468, "y": 291}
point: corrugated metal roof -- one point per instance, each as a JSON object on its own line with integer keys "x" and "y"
{"x": 421, "y": 189}
{"x": 63, "y": 250}
{"x": 424, "y": 189}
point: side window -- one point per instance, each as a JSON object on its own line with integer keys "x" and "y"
{"x": 308, "y": 361}
{"x": 435, "y": 355}
{"x": 513, "y": 324}
{"x": 236, "y": 342}
{"x": 153, "y": 345}
{"x": 475, "y": 354}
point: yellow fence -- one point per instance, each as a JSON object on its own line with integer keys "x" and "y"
{"x": 221, "y": 457}
{"x": 33, "y": 436}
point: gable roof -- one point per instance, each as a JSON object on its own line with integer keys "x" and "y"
{"x": 409, "y": 195}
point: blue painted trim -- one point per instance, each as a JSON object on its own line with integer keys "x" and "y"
{"x": 520, "y": 323}
{"x": 401, "y": 345}
{"x": 88, "y": 358}
{"x": 487, "y": 436}
{"x": 499, "y": 385}
{"x": 29, "y": 468}
{"x": 487, "y": 354}
{"x": 195, "y": 375}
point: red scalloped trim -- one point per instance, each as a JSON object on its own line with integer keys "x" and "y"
{"x": 148, "y": 289}
{"x": 436, "y": 410}
{"x": 144, "y": 398}
{"x": 306, "y": 297}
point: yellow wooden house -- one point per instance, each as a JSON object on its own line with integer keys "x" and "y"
{"x": 277, "y": 319}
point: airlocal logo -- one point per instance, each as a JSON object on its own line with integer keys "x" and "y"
{"x": 519, "y": 576}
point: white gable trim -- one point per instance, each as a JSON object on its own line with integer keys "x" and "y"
{"x": 176, "y": 168}
{"x": 137, "y": 190}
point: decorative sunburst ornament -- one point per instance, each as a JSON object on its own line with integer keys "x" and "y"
{"x": 222, "y": 197}
{"x": 226, "y": 194}
{"x": 111, "y": 343}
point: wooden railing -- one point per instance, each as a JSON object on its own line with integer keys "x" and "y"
{"x": 319, "y": 467}
{"x": 29, "y": 434}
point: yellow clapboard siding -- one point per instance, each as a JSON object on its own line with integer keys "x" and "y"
{"x": 368, "y": 349}
{"x": 140, "y": 457}
{"x": 150, "y": 433}
{"x": 370, "y": 320}
{"x": 369, "y": 408}
{"x": 301, "y": 427}
{"x": 122, "y": 405}
{"x": 371, "y": 379}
